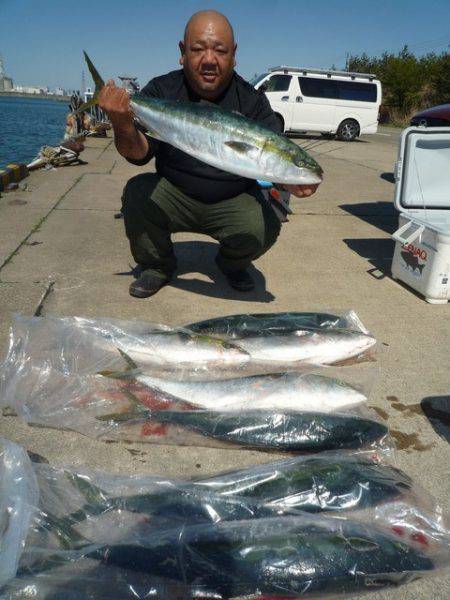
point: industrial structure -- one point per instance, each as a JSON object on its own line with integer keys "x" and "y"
{"x": 6, "y": 83}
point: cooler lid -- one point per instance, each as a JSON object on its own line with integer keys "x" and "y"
{"x": 422, "y": 178}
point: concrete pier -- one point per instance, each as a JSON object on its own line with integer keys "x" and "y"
{"x": 62, "y": 252}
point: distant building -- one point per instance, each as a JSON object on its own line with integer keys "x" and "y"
{"x": 59, "y": 91}
{"x": 129, "y": 83}
{"x": 31, "y": 89}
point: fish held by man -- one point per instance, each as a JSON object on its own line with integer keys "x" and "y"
{"x": 223, "y": 139}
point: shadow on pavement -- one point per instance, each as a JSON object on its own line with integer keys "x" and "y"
{"x": 318, "y": 137}
{"x": 388, "y": 177}
{"x": 380, "y": 214}
{"x": 377, "y": 251}
{"x": 437, "y": 410}
{"x": 198, "y": 257}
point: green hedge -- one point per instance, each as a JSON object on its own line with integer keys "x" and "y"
{"x": 410, "y": 83}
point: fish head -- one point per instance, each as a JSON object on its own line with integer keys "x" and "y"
{"x": 308, "y": 170}
{"x": 341, "y": 344}
{"x": 356, "y": 343}
{"x": 372, "y": 431}
{"x": 287, "y": 163}
{"x": 347, "y": 391}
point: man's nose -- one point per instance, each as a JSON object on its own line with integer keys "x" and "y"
{"x": 209, "y": 57}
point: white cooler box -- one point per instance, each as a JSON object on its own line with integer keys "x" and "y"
{"x": 422, "y": 195}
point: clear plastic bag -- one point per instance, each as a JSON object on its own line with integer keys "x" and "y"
{"x": 59, "y": 372}
{"x": 334, "y": 482}
{"x": 243, "y": 533}
{"x": 18, "y": 499}
{"x": 126, "y": 410}
{"x": 87, "y": 346}
{"x": 279, "y": 556}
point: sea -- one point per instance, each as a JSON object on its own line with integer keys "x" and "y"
{"x": 26, "y": 124}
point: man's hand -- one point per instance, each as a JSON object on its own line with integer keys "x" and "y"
{"x": 115, "y": 102}
{"x": 302, "y": 191}
{"x": 130, "y": 142}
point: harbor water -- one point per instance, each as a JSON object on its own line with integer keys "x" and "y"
{"x": 26, "y": 124}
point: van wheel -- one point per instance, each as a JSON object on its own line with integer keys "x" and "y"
{"x": 348, "y": 130}
{"x": 280, "y": 121}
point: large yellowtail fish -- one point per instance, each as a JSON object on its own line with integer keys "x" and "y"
{"x": 223, "y": 139}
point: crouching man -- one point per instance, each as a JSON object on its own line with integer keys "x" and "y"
{"x": 186, "y": 194}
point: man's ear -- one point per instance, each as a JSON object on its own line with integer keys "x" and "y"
{"x": 234, "y": 55}
{"x": 182, "y": 50}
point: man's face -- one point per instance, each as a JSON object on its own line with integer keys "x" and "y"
{"x": 208, "y": 56}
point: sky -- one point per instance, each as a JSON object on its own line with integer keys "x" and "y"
{"x": 42, "y": 42}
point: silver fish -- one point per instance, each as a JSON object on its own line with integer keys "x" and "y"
{"x": 223, "y": 139}
{"x": 291, "y": 391}
{"x": 307, "y": 346}
{"x": 175, "y": 350}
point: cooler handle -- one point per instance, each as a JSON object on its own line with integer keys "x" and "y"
{"x": 397, "y": 236}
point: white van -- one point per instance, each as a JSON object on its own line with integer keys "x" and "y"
{"x": 330, "y": 102}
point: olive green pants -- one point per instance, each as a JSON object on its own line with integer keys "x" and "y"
{"x": 245, "y": 226}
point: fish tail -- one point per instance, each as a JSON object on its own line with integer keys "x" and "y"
{"x": 135, "y": 416}
{"x": 99, "y": 83}
{"x": 130, "y": 370}
{"x": 90, "y": 492}
{"x": 66, "y": 535}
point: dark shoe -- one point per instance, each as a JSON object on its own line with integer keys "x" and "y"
{"x": 146, "y": 285}
{"x": 239, "y": 280}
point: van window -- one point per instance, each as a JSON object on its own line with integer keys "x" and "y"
{"x": 319, "y": 88}
{"x": 355, "y": 90}
{"x": 278, "y": 83}
{"x": 338, "y": 90}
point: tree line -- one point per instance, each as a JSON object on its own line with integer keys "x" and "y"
{"x": 410, "y": 83}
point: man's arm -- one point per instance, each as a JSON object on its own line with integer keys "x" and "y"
{"x": 130, "y": 143}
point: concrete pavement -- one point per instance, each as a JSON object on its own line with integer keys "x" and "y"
{"x": 62, "y": 252}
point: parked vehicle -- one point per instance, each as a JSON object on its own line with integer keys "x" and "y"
{"x": 330, "y": 102}
{"x": 437, "y": 116}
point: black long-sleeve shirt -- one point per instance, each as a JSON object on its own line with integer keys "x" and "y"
{"x": 190, "y": 175}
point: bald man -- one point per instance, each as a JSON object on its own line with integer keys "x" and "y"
{"x": 186, "y": 194}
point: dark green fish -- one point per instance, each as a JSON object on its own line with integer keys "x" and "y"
{"x": 239, "y": 326}
{"x": 283, "y": 431}
{"x": 277, "y": 556}
{"x": 168, "y": 504}
{"x": 310, "y": 484}
{"x": 315, "y": 483}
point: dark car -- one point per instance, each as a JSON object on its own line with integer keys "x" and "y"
{"x": 437, "y": 116}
